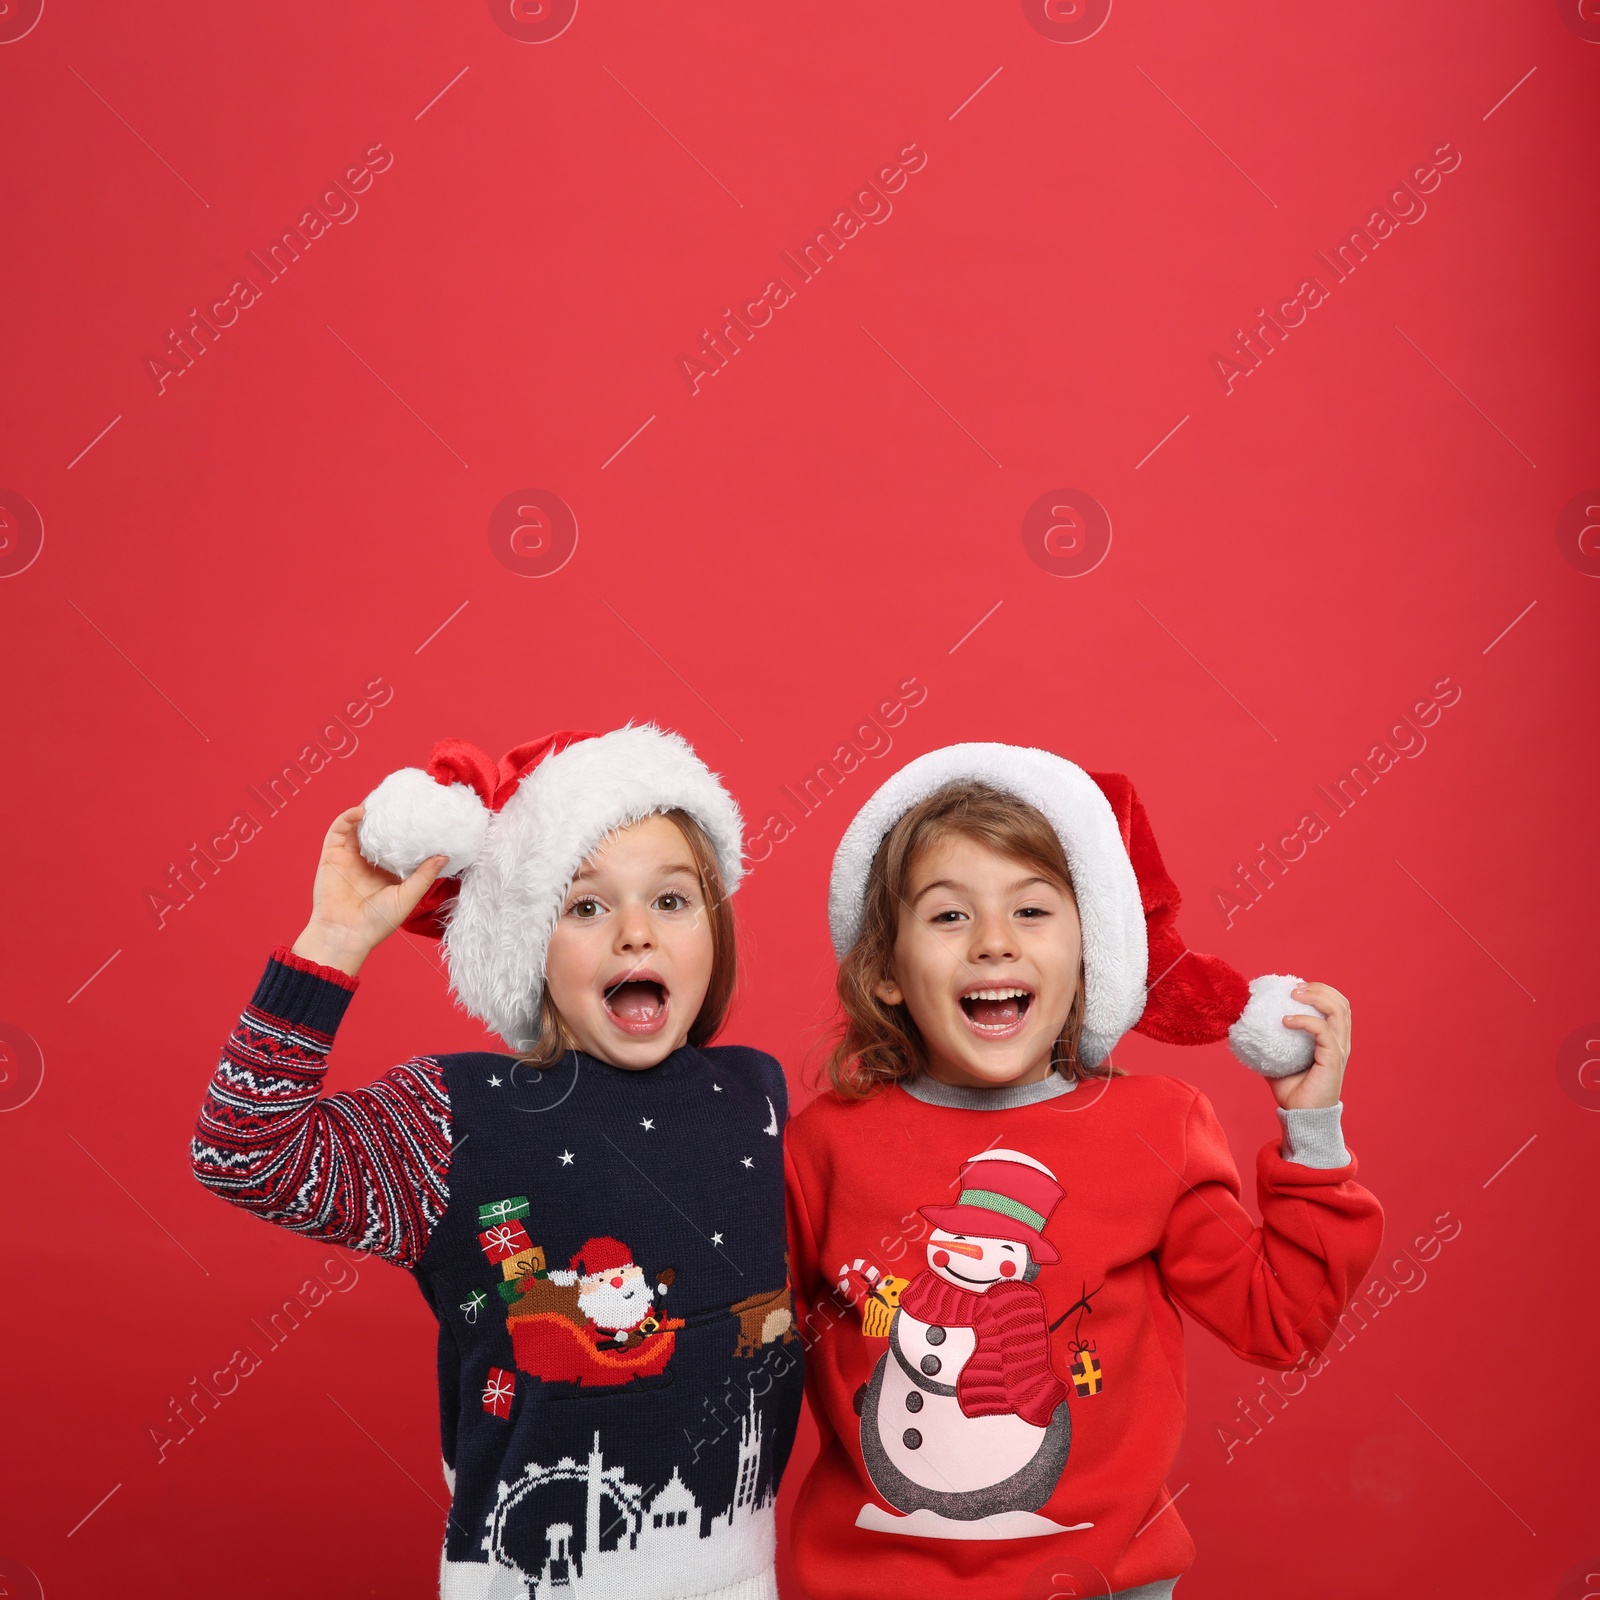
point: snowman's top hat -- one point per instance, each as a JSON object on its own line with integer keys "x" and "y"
{"x": 1004, "y": 1195}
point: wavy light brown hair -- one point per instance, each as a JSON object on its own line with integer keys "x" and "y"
{"x": 877, "y": 1044}
{"x": 555, "y": 1039}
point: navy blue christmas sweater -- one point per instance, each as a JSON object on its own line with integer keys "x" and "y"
{"x": 604, "y": 1249}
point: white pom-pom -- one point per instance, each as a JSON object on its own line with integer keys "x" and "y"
{"x": 409, "y": 817}
{"x": 1259, "y": 1038}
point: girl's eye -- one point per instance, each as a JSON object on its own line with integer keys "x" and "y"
{"x": 1033, "y": 912}
{"x": 672, "y": 900}
{"x": 948, "y": 917}
{"x": 585, "y": 910}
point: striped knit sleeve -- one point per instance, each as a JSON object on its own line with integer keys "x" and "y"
{"x": 365, "y": 1168}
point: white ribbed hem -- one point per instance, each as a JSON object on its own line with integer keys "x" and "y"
{"x": 762, "y": 1587}
{"x": 483, "y": 1580}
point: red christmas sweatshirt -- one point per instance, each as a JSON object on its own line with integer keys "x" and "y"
{"x": 973, "y": 1436}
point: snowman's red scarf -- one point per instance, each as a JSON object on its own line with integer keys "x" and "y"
{"x": 1010, "y": 1369}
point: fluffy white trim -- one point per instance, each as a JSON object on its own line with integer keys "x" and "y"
{"x": 409, "y": 817}
{"x": 1115, "y": 953}
{"x": 498, "y": 932}
{"x": 1259, "y": 1038}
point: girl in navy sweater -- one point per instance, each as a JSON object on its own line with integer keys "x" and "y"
{"x": 597, "y": 1218}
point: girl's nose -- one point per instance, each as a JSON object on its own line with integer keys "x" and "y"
{"x": 993, "y": 939}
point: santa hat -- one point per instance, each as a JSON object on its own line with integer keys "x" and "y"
{"x": 1138, "y": 973}
{"x": 516, "y": 832}
{"x": 600, "y": 1255}
{"x": 1004, "y": 1195}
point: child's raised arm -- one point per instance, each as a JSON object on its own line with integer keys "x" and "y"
{"x": 365, "y": 1168}
{"x": 1272, "y": 1294}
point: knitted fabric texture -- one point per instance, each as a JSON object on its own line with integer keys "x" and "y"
{"x": 619, "y": 1371}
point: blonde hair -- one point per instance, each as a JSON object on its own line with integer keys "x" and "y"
{"x": 555, "y": 1038}
{"x": 876, "y": 1044}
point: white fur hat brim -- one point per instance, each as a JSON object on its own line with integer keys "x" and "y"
{"x": 1115, "y": 950}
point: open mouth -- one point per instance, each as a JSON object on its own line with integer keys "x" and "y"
{"x": 997, "y": 1012}
{"x": 637, "y": 1003}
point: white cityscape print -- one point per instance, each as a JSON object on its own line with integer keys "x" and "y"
{"x": 660, "y": 1549}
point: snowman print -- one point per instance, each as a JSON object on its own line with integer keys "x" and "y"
{"x": 965, "y": 1427}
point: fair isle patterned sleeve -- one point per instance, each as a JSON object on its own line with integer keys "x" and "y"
{"x": 365, "y": 1168}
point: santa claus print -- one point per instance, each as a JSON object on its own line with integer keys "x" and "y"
{"x": 614, "y": 1294}
{"x": 596, "y": 1322}
{"x": 965, "y": 1427}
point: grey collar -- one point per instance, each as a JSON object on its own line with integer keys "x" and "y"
{"x": 931, "y": 1092}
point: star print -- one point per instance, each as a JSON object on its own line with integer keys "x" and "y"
{"x": 716, "y": 1238}
{"x": 745, "y": 1161}
{"x": 565, "y": 1158}
{"x": 646, "y": 1124}
{"x": 717, "y": 1087}
{"x": 494, "y": 1081}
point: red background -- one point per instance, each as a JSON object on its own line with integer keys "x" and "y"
{"x": 305, "y": 510}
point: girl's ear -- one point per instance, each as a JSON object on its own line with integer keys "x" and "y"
{"x": 888, "y": 991}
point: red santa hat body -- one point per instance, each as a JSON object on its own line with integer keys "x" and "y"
{"x": 601, "y": 1255}
{"x": 1138, "y": 973}
{"x": 516, "y": 831}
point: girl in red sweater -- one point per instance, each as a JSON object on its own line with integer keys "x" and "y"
{"x": 993, "y": 1228}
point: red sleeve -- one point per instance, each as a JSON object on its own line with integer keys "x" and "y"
{"x": 365, "y": 1167}
{"x": 816, "y": 1308}
{"x": 1010, "y": 1369}
{"x": 1272, "y": 1294}
{"x": 804, "y": 1273}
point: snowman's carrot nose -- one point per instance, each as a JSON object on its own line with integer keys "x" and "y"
{"x": 960, "y": 1248}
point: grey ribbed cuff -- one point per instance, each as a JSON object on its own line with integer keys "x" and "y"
{"x": 1312, "y": 1136}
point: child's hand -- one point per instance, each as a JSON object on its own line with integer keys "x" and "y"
{"x": 1320, "y": 1083}
{"x": 355, "y": 906}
